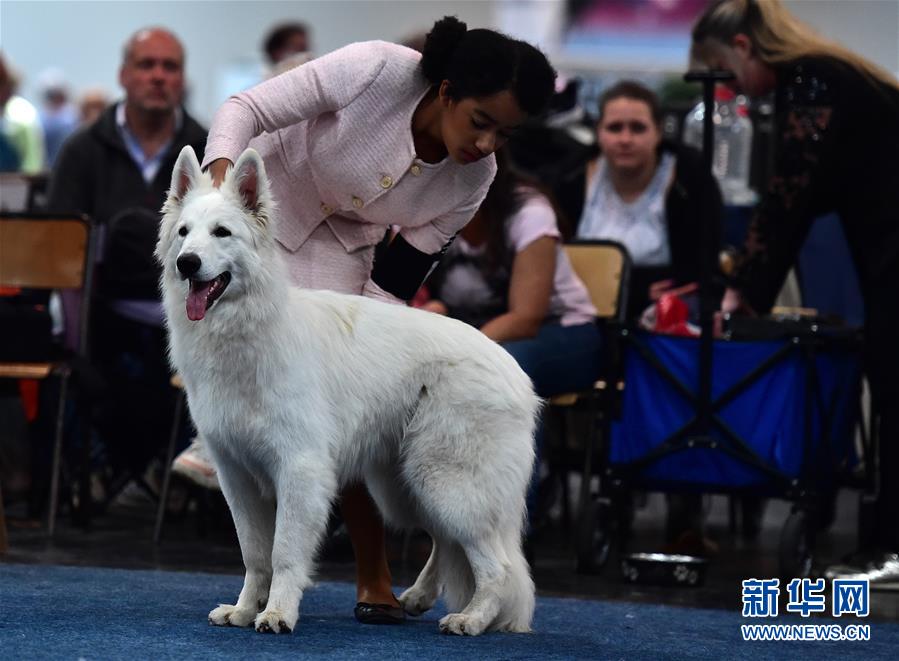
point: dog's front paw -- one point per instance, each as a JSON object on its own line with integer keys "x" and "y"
{"x": 231, "y": 616}
{"x": 274, "y": 622}
{"x": 461, "y": 625}
{"x": 416, "y": 601}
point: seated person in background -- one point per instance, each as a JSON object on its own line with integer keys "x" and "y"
{"x": 117, "y": 170}
{"x": 647, "y": 195}
{"x": 650, "y": 196}
{"x": 507, "y": 274}
{"x": 21, "y": 135}
{"x": 91, "y": 105}
{"x": 58, "y": 115}
{"x": 287, "y": 45}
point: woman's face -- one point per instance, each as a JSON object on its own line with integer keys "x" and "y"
{"x": 751, "y": 75}
{"x": 628, "y": 135}
{"x": 475, "y": 127}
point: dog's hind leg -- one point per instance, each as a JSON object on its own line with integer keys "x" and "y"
{"x": 467, "y": 469}
{"x": 489, "y": 564}
{"x": 254, "y": 519}
{"x": 306, "y": 484}
{"x": 423, "y": 594}
{"x": 518, "y": 602}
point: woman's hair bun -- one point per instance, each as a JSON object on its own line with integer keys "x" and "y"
{"x": 439, "y": 46}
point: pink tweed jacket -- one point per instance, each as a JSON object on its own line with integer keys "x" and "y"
{"x": 336, "y": 138}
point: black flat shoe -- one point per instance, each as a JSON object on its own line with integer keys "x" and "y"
{"x": 379, "y": 613}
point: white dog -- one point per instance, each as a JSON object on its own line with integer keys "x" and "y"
{"x": 299, "y": 392}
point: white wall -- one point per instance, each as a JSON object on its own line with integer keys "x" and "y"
{"x": 84, "y": 37}
{"x": 868, "y": 27}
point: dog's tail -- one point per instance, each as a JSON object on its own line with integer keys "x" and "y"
{"x": 517, "y": 609}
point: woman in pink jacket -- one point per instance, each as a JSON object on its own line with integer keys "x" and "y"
{"x": 370, "y": 136}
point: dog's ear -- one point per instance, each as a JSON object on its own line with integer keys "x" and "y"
{"x": 248, "y": 180}
{"x": 185, "y": 175}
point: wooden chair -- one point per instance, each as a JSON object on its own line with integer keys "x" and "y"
{"x": 50, "y": 252}
{"x": 604, "y": 267}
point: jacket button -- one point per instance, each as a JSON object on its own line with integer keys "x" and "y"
{"x": 357, "y": 202}
{"x": 327, "y": 210}
{"x": 415, "y": 169}
{"x": 386, "y": 182}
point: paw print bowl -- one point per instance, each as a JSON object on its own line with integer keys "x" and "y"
{"x": 663, "y": 569}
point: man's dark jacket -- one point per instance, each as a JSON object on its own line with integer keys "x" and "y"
{"x": 95, "y": 175}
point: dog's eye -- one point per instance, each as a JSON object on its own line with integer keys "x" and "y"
{"x": 221, "y": 232}
{"x": 182, "y": 231}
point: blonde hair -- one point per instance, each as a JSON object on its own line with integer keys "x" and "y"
{"x": 776, "y": 35}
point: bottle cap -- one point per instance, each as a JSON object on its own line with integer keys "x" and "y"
{"x": 723, "y": 93}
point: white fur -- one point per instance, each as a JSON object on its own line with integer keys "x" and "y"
{"x": 300, "y": 392}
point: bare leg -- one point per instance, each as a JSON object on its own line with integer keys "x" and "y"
{"x": 366, "y": 529}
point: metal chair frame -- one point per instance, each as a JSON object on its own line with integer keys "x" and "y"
{"x": 597, "y": 263}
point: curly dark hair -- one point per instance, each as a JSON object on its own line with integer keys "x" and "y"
{"x": 483, "y": 62}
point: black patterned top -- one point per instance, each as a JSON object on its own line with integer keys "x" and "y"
{"x": 836, "y": 150}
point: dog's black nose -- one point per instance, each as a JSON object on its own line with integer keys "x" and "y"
{"x": 188, "y": 264}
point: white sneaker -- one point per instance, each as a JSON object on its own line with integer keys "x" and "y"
{"x": 882, "y": 574}
{"x": 195, "y": 464}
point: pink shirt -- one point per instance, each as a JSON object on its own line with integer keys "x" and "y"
{"x": 569, "y": 301}
{"x": 336, "y": 138}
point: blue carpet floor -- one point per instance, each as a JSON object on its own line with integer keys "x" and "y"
{"x": 73, "y": 613}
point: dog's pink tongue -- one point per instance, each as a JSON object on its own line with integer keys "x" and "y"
{"x": 196, "y": 300}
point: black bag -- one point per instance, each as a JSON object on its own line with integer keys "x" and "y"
{"x": 26, "y": 331}
{"x": 129, "y": 268}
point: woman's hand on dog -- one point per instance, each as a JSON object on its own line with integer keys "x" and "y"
{"x": 217, "y": 169}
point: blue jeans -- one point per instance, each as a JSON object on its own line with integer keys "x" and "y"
{"x": 559, "y": 359}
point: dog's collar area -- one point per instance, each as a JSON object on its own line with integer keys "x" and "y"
{"x": 203, "y": 293}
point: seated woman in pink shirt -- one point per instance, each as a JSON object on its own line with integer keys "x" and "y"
{"x": 508, "y": 275}
{"x": 373, "y": 135}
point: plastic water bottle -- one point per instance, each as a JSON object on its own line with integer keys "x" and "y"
{"x": 732, "y": 149}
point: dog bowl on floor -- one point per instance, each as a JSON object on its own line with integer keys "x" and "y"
{"x": 663, "y": 568}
